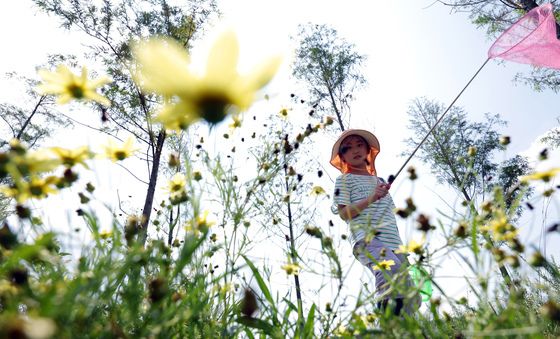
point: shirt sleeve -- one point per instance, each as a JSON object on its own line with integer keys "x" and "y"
{"x": 341, "y": 191}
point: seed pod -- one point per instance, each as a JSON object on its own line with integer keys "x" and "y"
{"x": 249, "y": 303}
{"x": 158, "y": 289}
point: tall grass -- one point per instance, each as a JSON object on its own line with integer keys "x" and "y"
{"x": 207, "y": 276}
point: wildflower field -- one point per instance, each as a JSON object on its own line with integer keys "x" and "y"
{"x": 234, "y": 235}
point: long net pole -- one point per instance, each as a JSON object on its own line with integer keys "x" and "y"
{"x": 393, "y": 177}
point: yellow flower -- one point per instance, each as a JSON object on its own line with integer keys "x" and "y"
{"x": 411, "y": 247}
{"x": 342, "y": 331}
{"x": 165, "y": 69}
{"x": 236, "y": 121}
{"x": 177, "y": 183}
{"x": 105, "y": 234}
{"x": 384, "y": 265}
{"x": 37, "y": 188}
{"x": 30, "y": 163}
{"x": 72, "y": 157}
{"x": 176, "y": 188}
{"x": 199, "y": 224}
{"x": 7, "y": 289}
{"x": 284, "y": 112}
{"x": 39, "y": 327}
{"x": 223, "y": 290}
{"x": 68, "y": 85}
{"x": 501, "y": 228}
{"x": 544, "y": 176}
{"x": 120, "y": 152}
{"x": 317, "y": 190}
{"x": 291, "y": 269}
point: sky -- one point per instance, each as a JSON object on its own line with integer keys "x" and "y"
{"x": 414, "y": 49}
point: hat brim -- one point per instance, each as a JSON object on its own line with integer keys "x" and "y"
{"x": 373, "y": 144}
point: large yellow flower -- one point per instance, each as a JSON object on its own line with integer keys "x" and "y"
{"x": 544, "y": 176}
{"x": 165, "y": 69}
{"x": 68, "y": 85}
{"x": 24, "y": 163}
{"x": 72, "y": 157}
{"x": 37, "y": 188}
{"x": 500, "y": 227}
{"x": 117, "y": 152}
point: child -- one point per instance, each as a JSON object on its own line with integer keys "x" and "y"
{"x": 363, "y": 201}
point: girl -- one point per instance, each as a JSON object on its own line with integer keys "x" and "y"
{"x": 362, "y": 199}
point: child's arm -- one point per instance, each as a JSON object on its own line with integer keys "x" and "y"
{"x": 349, "y": 212}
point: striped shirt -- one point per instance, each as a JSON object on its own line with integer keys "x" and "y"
{"x": 377, "y": 220}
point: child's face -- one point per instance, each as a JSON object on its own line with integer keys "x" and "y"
{"x": 354, "y": 151}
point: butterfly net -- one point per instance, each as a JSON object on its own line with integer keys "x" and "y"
{"x": 531, "y": 40}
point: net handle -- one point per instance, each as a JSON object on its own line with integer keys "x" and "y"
{"x": 393, "y": 177}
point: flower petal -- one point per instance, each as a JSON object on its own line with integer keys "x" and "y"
{"x": 103, "y": 80}
{"x": 221, "y": 66}
{"x": 64, "y": 98}
{"x": 163, "y": 66}
{"x": 263, "y": 73}
{"x": 97, "y": 98}
{"x": 177, "y": 116}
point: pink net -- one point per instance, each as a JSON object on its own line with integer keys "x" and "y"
{"x": 531, "y": 40}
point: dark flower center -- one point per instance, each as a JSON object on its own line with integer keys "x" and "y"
{"x": 213, "y": 108}
{"x": 76, "y": 91}
{"x": 120, "y": 155}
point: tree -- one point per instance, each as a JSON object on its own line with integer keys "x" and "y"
{"x": 30, "y": 121}
{"x": 495, "y": 15}
{"x": 508, "y": 173}
{"x": 552, "y": 138}
{"x": 330, "y": 68}
{"x": 460, "y": 153}
{"x": 446, "y": 151}
{"x": 498, "y": 15}
{"x": 112, "y": 26}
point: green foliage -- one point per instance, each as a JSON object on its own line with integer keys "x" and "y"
{"x": 496, "y": 16}
{"x": 552, "y": 138}
{"x": 459, "y": 152}
{"x": 330, "y": 68}
{"x": 115, "y": 289}
{"x": 206, "y": 276}
{"x": 195, "y": 284}
{"x": 110, "y": 27}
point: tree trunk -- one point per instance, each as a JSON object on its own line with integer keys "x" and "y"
{"x": 20, "y": 133}
{"x": 293, "y": 252}
{"x": 146, "y": 212}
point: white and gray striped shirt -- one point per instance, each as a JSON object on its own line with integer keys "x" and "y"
{"x": 377, "y": 220}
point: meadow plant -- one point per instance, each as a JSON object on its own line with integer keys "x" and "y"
{"x": 208, "y": 270}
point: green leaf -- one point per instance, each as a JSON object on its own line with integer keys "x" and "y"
{"x": 258, "y": 324}
{"x": 189, "y": 247}
{"x": 308, "y": 329}
{"x": 262, "y": 286}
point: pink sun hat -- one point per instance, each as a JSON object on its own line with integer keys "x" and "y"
{"x": 373, "y": 144}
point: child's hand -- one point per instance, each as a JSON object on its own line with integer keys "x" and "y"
{"x": 381, "y": 190}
